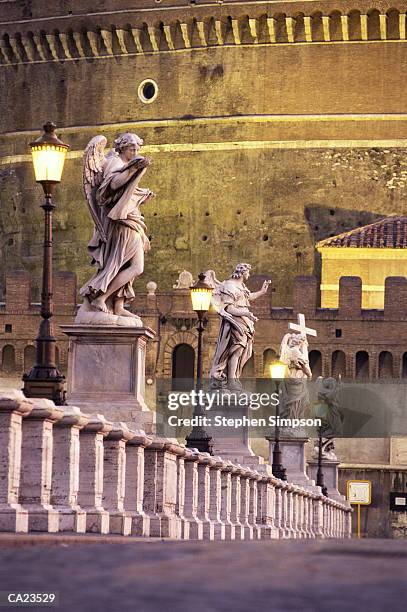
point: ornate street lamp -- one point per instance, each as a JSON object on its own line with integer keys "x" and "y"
{"x": 278, "y": 371}
{"x": 201, "y": 294}
{"x": 44, "y": 379}
{"x": 320, "y": 475}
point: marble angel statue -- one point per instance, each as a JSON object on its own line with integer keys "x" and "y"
{"x": 232, "y": 299}
{"x": 119, "y": 241}
{"x": 294, "y": 393}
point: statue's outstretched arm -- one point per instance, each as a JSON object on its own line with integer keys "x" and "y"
{"x": 256, "y": 294}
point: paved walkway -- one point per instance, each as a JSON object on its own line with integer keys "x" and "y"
{"x": 120, "y": 574}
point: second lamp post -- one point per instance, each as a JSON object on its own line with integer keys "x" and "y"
{"x": 201, "y": 294}
{"x": 277, "y": 373}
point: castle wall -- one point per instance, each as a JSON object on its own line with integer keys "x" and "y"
{"x": 262, "y": 143}
{"x": 372, "y": 265}
{"x": 347, "y": 330}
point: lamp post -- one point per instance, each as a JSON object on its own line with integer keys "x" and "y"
{"x": 277, "y": 373}
{"x": 201, "y": 294}
{"x": 320, "y": 474}
{"x": 44, "y": 379}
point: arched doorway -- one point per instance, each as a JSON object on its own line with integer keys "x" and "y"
{"x": 183, "y": 367}
{"x": 29, "y": 357}
{"x": 362, "y": 365}
{"x": 248, "y": 369}
{"x": 315, "y": 363}
{"x": 338, "y": 364}
{"x": 8, "y": 361}
{"x": 385, "y": 365}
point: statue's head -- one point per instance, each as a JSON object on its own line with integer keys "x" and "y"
{"x": 128, "y": 145}
{"x": 296, "y": 340}
{"x": 242, "y": 270}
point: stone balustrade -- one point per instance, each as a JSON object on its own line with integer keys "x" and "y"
{"x": 62, "y": 470}
{"x": 94, "y": 36}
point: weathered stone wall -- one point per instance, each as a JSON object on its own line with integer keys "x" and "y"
{"x": 262, "y": 145}
{"x": 376, "y": 519}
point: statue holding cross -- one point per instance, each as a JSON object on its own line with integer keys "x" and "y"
{"x": 295, "y": 401}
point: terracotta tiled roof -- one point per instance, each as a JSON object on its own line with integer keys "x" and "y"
{"x": 388, "y": 233}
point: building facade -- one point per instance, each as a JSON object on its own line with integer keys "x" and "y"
{"x": 272, "y": 125}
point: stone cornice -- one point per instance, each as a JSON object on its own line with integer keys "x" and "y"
{"x": 175, "y": 26}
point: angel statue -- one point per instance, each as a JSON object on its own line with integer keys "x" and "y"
{"x": 294, "y": 393}
{"x": 231, "y": 298}
{"x": 328, "y": 410}
{"x": 119, "y": 241}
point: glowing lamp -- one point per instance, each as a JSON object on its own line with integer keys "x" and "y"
{"x": 48, "y": 155}
{"x": 278, "y": 370}
{"x": 201, "y": 294}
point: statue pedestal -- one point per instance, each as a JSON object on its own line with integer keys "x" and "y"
{"x": 106, "y": 372}
{"x": 330, "y": 472}
{"x": 235, "y": 446}
{"x": 293, "y": 459}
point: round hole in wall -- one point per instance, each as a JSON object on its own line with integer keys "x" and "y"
{"x": 147, "y": 91}
{"x": 265, "y": 238}
{"x": 204, "y": 238}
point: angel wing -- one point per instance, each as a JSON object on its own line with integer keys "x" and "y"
{"x": 93, "y": 160}
{"x": 212, "y": 281}
{"x": 210, "y": 278}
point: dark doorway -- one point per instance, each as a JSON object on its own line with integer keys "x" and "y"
{"x": 385, "y": 365}
{"x": 29, "y": 357}
{"x": 315, "y": 363}
{"x": 8, "y": 358}
{"x": 183, "y": 367}
{"x": 338, "y": 363}
{"x": 362, "y": 364}
{"x": 248, "y": 369}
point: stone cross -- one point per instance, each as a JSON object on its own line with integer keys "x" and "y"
{"x": 301, "y": 327}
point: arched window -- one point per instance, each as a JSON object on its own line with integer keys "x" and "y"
{"x": 317, "y": 27}
{"x": 299, "y": 28}
{"x": 183, "y": 366}
{"x": 354, "y": 25}
{"x": 335, "y": 26}
{"x": 404, "y": 372}
{"x": 338, "y": 363}
{"x": 315, "y": 362}
{"x": 385, "y": 365}
{"x": 8, "y": 361}
{"x": 269, "y": 356}
{"x": 373, "y": 25}
{"x": 362, "y": 364}
{"x": 29, "y": 357}
{"x": 248, "y": 369}
{"x": 393, "y": 24}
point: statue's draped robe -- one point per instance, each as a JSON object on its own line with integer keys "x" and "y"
{"x": 124, "y": 228}
{"x": 295, "y": 401}
{"x": 236, "y": 332}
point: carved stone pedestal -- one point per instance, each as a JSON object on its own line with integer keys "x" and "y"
{"x": 330, "y": 472}
{"x": 235, "y": 445}
{"x": 106, "y": 371}
{"x": 293, "y": 459}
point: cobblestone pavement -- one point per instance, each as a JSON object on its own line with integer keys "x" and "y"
{"x": 120, "y": 574}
